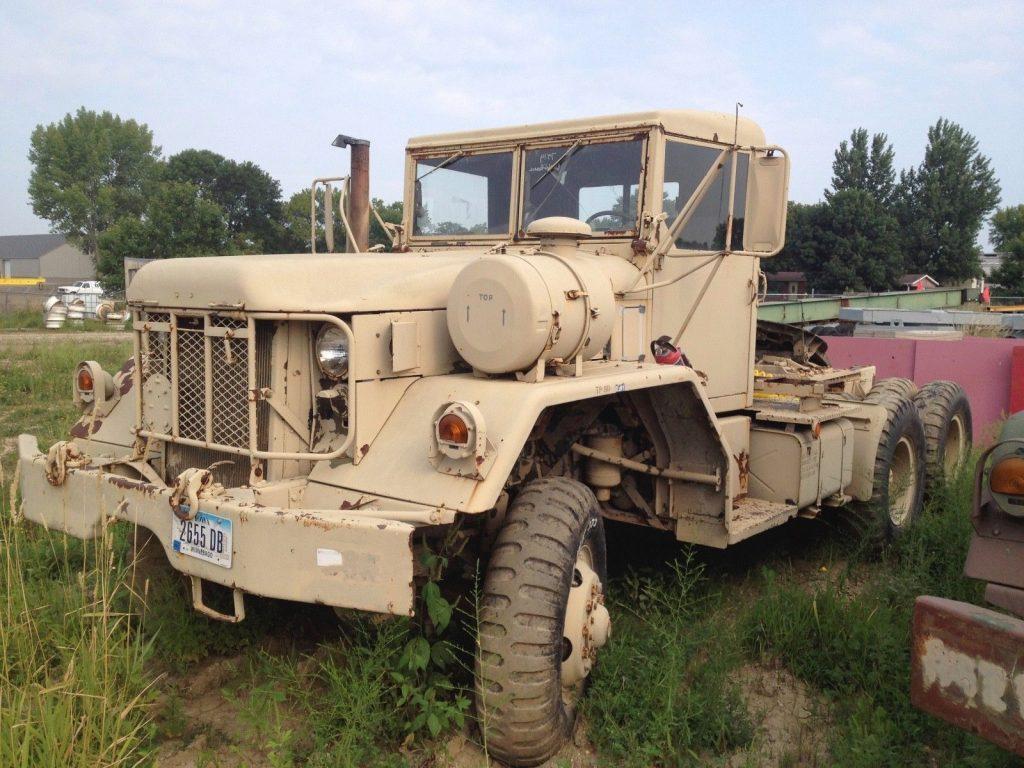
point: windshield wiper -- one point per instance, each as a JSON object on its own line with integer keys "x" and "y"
{"x": 441, "y": 165}
{"x": 568, "y": 153}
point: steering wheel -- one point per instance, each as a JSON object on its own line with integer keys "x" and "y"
{"x": 617, "y": 214}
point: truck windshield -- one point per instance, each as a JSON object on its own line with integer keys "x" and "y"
{"x": 463, "y": 194}
{"x": 595, "y": 183}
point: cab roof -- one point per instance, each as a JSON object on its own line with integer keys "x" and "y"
{"x": 707, "y": 126}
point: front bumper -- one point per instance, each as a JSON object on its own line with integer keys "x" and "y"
{"x": 276, "y": 552}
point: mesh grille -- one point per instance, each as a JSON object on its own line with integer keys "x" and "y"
{"x": 192, "y": 385}
{"x": 230, "y": 392}
{"x": 157, "y": 357}
{"x": 182, "y": 457}
{"x": 220, "y": 321}
{"x": 264, "y": 340}
{"x": 222, "y": 419}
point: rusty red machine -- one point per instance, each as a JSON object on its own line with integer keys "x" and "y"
{"x": 968, "y": 661}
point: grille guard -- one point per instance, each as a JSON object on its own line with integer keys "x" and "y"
{"x": 243, "y": 327}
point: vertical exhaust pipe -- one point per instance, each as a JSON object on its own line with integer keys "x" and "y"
{"x": 358, "y": 200}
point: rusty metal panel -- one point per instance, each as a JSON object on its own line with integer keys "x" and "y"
{"x": 967, "y": 667}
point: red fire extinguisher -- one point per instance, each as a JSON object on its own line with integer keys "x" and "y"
{"x": 667, "y": 353}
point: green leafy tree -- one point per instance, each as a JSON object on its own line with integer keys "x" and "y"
{"x": 249, "y": 197}
{"x": 389, "y": 212}
{"x": 89, "y": 170}
{"x": 1007, "y": 235}
{"x": 178, "y": 221}
{"x": 295, "y": 231}
{"x": 801, "y": 246}
{"x": 856, "y": 245}
{"x": 860, "y": 166}
{"x": 943, "y": 202}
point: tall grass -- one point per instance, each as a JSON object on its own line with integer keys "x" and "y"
{"x": 661, "y": 694}
{"x": 21, "y": 319}
{"x": 855, "y": 645}
{"x": 73, "y": 691}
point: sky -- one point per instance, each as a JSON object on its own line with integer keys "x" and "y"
{"x": 275, "y": 82}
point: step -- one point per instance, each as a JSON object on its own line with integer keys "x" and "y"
{"x": 751, "y": 516}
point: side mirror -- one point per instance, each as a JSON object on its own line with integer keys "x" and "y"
{"x": 764, "y": 229}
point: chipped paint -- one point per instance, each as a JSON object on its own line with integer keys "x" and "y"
{"x": 967, "y": 667}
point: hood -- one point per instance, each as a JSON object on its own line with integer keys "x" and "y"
{"x": 329, "y": 282}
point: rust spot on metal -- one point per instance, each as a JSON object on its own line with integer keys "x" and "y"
{"x": 359, "y": 503}
{"x": 128, "y": 484}
{"x": 85, "y": 426}
{"x": 310, "y": 520}
{"x": 127, "y": 379}
{"x": 966, "y": 669}
{"x": 743, "y": 463}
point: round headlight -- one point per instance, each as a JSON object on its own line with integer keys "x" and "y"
{"x": 332, "y": 351}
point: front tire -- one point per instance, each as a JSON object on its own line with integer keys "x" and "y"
{"x": 542, "y": 620}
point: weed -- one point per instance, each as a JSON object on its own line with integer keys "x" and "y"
{"x": 73, "y": 690}
{"x": 426, "y": 693}
{"x": 661, "y": 693}
{"x": 857, "y": 648}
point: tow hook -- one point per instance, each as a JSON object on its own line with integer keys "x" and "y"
{"x": 62, "y": 456}
{"x": 187, "y": 488}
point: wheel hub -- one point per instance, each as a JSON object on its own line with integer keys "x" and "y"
{"x": 587, "y": 623}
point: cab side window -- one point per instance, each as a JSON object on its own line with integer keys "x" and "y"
{"x": 685, "y": 166}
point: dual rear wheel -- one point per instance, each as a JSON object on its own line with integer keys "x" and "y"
{"x": 925, "y": 439}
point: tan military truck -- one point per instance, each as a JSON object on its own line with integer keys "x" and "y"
{"x": 565, "y": 330}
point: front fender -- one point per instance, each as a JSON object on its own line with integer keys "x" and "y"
{"x": 397, "y": 464}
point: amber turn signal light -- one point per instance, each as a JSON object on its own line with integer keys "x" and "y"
{"x": 453, "y": 429}
{"x": 1008, "y": 476}
{"x": 84, "y": 379}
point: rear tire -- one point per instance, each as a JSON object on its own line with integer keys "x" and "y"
{"x": 946, "y": 414}
{"x": 899, "y": 476}
{"x": 892, "y": 386}
{"x": 543, "y": 583}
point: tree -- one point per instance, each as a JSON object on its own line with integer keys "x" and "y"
{"x": 179, "y": 221}
{"x": 857, "y": 245}
{"x": 295, "y": 235}
{"x": 801, "y": 247}
{"x": 89, "y": 170}
{"x": 856, "y": 166}
{"x": 1007, "y": 235}
{"x": 389, "y": 212}
{"x": 943, "y": 202}
{"x": 249, "y": 197}
{"x": 1007, "y": 227}
{"x": 296, "y": 222}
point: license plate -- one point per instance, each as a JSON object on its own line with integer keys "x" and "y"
{"x": 206, "y": 537}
